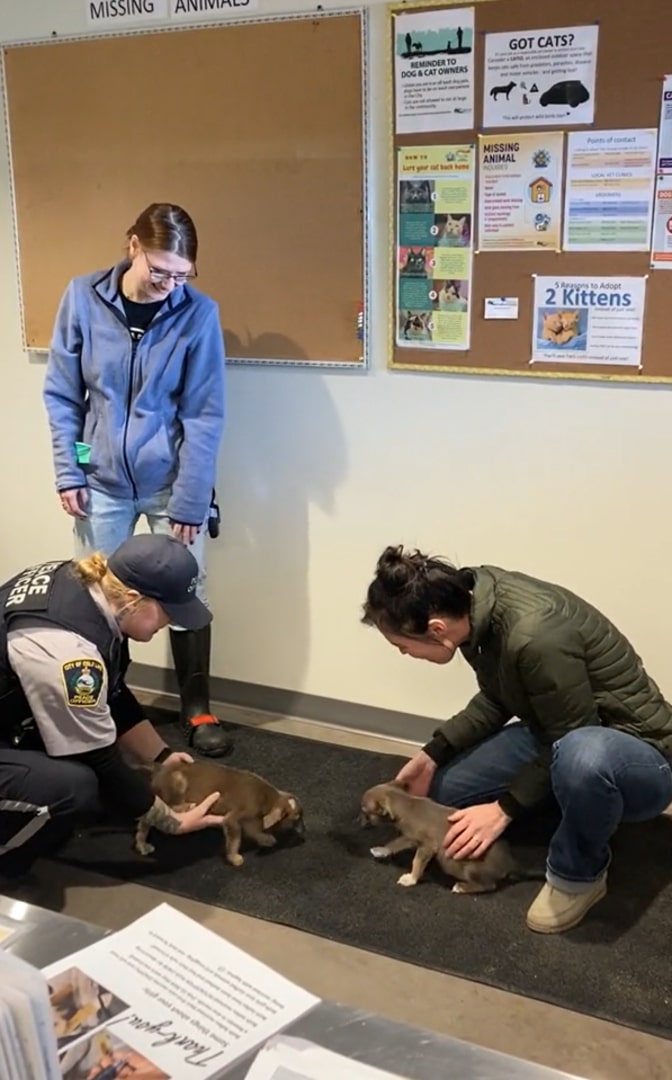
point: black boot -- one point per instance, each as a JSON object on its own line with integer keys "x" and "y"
{"x": 191, "y": 656}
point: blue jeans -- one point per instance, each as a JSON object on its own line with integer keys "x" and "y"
{"x": 110, "y": 521}
{"x": 600, "y": 777}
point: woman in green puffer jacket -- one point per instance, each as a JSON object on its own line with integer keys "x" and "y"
{"x": 564, "y": 709}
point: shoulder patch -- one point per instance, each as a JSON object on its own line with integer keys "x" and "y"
{"x": 83, "y": 682}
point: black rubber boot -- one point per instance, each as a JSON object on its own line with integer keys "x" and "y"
{"x": 191, "y": 656}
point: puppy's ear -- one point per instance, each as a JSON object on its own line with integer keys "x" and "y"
{"x": 273, "y": 817}
{"x": 403, "y": 785}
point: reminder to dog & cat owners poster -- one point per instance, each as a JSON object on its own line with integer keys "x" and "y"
{"x": 538, "y": 77}
{"x": 586, "y": 320}
{"x": 520, "y": 185}
{"x": 435, "y": 246}
{"x": 165, "y": 999}
{"x": 434, "y": 70}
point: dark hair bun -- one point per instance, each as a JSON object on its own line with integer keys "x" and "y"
{"x": 466, "y": 578}
{"x": 410, "y": 587}
{"x": 397, "y": 569}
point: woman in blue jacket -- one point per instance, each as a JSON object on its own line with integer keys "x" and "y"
{"x": 134, "y": 392}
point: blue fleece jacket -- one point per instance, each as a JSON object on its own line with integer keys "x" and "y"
{"x": 153, "y": 411}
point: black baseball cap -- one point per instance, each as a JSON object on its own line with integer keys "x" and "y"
{"x": 162, "y": 568}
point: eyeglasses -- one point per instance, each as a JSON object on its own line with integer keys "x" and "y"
{"x": 159, "y": 276}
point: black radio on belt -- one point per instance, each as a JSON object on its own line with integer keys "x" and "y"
{"x": 214, "y": 517}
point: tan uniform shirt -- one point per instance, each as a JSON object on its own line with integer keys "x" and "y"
{"x": 65, "y": 682}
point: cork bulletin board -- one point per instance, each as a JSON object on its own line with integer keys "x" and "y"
{"x": 633, "y": 56}
{"x": 242, "y": 125}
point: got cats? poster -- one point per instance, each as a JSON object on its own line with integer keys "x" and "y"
{"x": 435, "y": 220}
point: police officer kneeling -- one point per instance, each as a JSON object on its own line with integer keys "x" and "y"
{"x": 68, "y": 722}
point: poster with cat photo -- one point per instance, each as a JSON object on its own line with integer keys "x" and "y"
{"x": 435, "y": 215}
{"x": 586, "y": 320}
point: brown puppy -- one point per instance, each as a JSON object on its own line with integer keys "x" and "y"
{"x": 423, "y": 826}
{"x": 249, "y": 804}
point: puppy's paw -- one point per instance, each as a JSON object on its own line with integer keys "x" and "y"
{"x": 143, "y": 848}
{"x": 266, "y": 840}
{"x": 459, "y": 887}
{"x": 235, "y": 860}
{"x": 406, "y": 879}
{"x": 379, "y": 852}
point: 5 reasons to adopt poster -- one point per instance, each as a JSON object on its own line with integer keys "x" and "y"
{"x": 539, "y": 77}
{"x": 434, "y": 246}
{"x": 584, "y": 320}
{"x": 520, "y": 199}
{"x": 609, "y": 190}
{"x": 434, "y": 70}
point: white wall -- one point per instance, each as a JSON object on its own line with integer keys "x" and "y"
{"x": 320, "y": 470}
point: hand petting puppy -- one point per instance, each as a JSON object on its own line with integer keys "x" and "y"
{"x": 179, "y": 757}
{"x": 473, "y": 830}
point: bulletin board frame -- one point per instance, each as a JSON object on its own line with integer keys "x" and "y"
{"x": 358, "y": 306}
{"x": 572, "y": 264}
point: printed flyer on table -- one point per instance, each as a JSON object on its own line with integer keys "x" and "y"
{"x": 585, "y": 320}
{"x": 539, "y": 77}
{"x": 165, "y": 999}
{"x": 609, "y": 190}
{"x": 520, "y": 187}
{"x": 434, "y": 249}
{"x": 434, "y": 70}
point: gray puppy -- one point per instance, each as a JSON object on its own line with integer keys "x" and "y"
{"x": 422, "y": 824}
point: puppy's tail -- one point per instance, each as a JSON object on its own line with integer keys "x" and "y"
{"x": 519, "y": 874}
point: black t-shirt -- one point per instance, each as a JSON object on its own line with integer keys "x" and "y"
{"x": 139, "y": 316}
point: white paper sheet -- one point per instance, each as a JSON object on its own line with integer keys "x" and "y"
{"x": 434, "y": 70}
{"x": 285, "y": 1058}
{"x": 584, "y": 320}
{"x": 167, "y": 996}
{"x": 609, "y": 190}
{"x": 540, "y": 77}
{"x": 665, "y": 128}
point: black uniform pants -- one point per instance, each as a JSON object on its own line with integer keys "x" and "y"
{"x": 41, "y": 800}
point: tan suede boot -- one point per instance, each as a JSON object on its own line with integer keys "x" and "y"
{"x": 554, "y": 911}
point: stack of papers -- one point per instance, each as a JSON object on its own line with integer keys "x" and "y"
{"x": 27, "y": 1042}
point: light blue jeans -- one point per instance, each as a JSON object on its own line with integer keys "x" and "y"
{"x": 109, "y": 521}
{"x": 600, "y": 777}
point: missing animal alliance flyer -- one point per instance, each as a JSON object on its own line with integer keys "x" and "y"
{"x": 585, "y": 320}
{"x": 435, "y": 246}
{"x": 434, "y": 70}
{"x": 537, "y": 77}
{"x": 520, "y": 192}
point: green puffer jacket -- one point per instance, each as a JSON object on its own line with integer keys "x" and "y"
{"x": 549, "y": 658}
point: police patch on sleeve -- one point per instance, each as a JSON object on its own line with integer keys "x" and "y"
{"x": 83, "y": 681}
